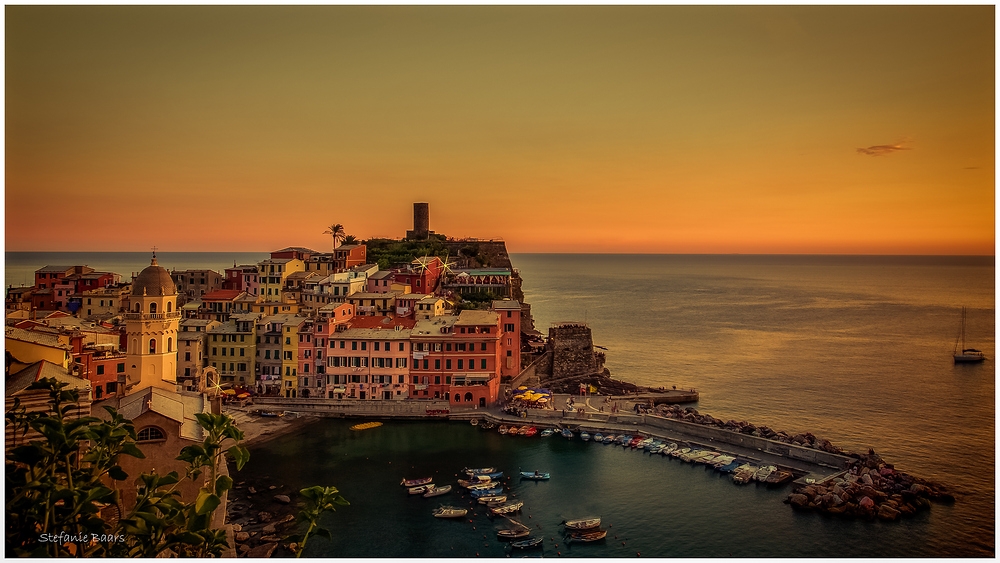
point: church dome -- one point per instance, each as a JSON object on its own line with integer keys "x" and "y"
{"x": 153, "y": 281}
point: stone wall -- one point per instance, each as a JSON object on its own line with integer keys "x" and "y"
{"x": 531, "y": 375}
{"x": 329, "y": 407}
{"x": 572, "y": 349}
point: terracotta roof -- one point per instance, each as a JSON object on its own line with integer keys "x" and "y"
{"x": 34, "y": 337}
{"x": 154, "y": 281}
{"x": 221, "y": 295}
{"x": 381, "y": 322}
{"x": 40, "y": 370}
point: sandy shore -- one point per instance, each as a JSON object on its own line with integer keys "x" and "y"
{"x": 258, "y": 429}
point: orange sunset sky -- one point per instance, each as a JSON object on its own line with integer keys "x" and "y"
{"x": 663, "y": 129}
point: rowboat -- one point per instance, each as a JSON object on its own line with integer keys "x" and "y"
{"x": 528, "y": 543}
{"x": 691, "y": 454}
{"x": 482, "y": 486}
{"x": 492, "y": 498}
{"x": 437, "y": 491}
{"x": 655, "y": 449}
{"x": 507, "y": 508}
{"x": 450, "y": 512}
{"x": 585, "y": 436}
{"x": 534, "y": 475}
{"x": 420, "y": 490}
{"x": 474, "y": 422}
{"x": 730, "y": 467}
{"x": 531, "y": 431}
{"x": 567, "y": 433}
{"x": 366, "y": 425}
{"x": 513, "y": 534}
{"x": 547, "y": 432}
{"x": 744, "y": 473}
{"x": 623, "y": 439}
{"x": 486, "y": 492}
{"x": 645, "y": 444}
{"x": 634, "y": 442}
{"x": 523, "y": 431}
{"x": 668, "y": 449}
{"x": 513, "y": 430}
{"x": 679, "y": 452}
{"x": 588, "y": 536}
{"x": 723, "y": 460}
{"x": 503, "y": 429}
{"x": 416, "y": 482}
{"x": 489, "y": 475}
{"x": 476, "y": 480}
{"x": 598, "y": 437}
{"x": 764, "y": 472}
{"x": 707, "y": 457}
{"x": 778, "y": 477}
{"x": 609, "y": 438}
{"x": 581, "y": 524}
{"x": 479, "y": 471}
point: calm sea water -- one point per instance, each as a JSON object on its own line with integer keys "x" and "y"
{"x": 853, "y": 349}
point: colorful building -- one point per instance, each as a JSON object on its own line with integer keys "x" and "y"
{"x": 369, "y": 360}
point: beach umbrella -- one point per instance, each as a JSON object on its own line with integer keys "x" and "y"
{"x": 522, "y": 388}
{"x": 229, "y": 391}
{"x": 243, "y": 395}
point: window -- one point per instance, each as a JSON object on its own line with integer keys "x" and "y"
{"x": 152, "y": 345}
{"x": 288, "y": 340}
{"x": 214, "y": 351}
{"x": 461, "y": 364}
{"x": 437, "y": 364}
{"x": 509, "y": 314}
{"x": 100, "y": 370}
{"x": 150, "y": 434}
{"x": 400, "y": 346}
{"x": 241, "y": 352}
{"x": 169, "y": 307}
{"x": 447, "y": 347}
{"x": 354, "y": 345}
{"x": 170, "y": 345}
{"x": 509, "y": 327}
{"x": 483, "y": 347}
{"x": 120, "y": 369}
{"x": 425, "y": 365}
{"x": 437, "y": 380}
{"x": 376, "y": 346}
{"x": 152, "y": 308}
{"x": 447, "y": 364}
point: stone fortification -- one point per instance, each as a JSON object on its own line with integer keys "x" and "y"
{"x": 572, "y": 350}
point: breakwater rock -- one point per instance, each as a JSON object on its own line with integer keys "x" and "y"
{"x": 870, "y": 489}
{"x": 691, "y": 414}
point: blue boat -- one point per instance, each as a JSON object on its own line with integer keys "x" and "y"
{"x": 486, "y": 492}
{"x": 534, "y": 475}
{"x": 567, "y": 433}
{"x": 527, "y": 544}
{"x": 598, "y": 437}
{"x": 730, "y": 467}
{"x": 494, "y": 475}
{"x": 585, "y": 436}
{"x": 625, "y": 441}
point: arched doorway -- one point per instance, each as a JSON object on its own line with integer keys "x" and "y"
{"x": 468, "y": 397}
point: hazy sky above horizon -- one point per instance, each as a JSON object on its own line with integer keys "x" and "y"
{"x": 673, "y": 129}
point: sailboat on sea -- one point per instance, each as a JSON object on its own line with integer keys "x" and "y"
{"x": 965, "y": 355}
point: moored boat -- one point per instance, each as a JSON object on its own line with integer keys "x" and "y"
{"x": 419, "y": 490}
{"x": 503, "y": 429}
{"x": 478, "y": 471}
{"x": 609, "y": 439}
{"x": 547, "y": 432}
{"x": 507, "y": 508}
{"x": 482, "y": 485}
{"x": 965, "y": 355}
{"x": 645, "y": 443}
{"x": 623, "y": 440}
{"x": 528, "y": 543}
{"x": 567, "y": 433}
{"x": 416, "y": 482}
{"x": 730, "y": 467}
{"x": 635, "y": 441}
{"x": 486, "y": 492}
{"x": 434, "y": 491}
{"x": 489, "y": 475}
{"x": 513, "y": 534}
{"x": 764, "y": 472}
{"x": 492, "y": 498}
{"x": 596, "y": 535}
{"x": 778, "y": 477}
{"x": 668, "y": 449}
{"x": 531, "y": 431}
{"x": 598, "y": 437}
{"x": 722, "y": 460}
{"x": 474, "y": 422}
{"x": 679, "y": 452}
{"x": 744, "y": 473}
{"x": 534, "y": 475}
{"x": 477, "y": 480}
{"x": 513, "y": 430}
{"x": 450, "y": 512}
{"x": 581, "y": 524}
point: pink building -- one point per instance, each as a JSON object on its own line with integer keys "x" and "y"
{"x": 242, "y": 278}
{"x": 510, "y": 337}
{"x": 369, "y": 360}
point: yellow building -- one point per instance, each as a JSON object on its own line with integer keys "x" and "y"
{"x": 290, "y": 355}
{"x": 272, "y": 273}
{"x": 151, "y": 330}
{"x": 102, "y": 303}
{"x": 232, "y": 350}
{"x": 27, "y": 347}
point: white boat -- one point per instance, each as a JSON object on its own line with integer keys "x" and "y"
{"x": 764, "y": 472}
{"x": 437, "y": 491}
{"x": 744, "y": 473}
{"x": 492, "y": 498}
{"x": 450, "y": 512}
{"x": 679, "y": 452}
{"x": 723, "y": 460}
{"x": 668, "y": 449}
{"x": 584, "y": 436}
{"x": 421, "y": 489}
{"x": 609, "y": 438}
{"x": 965, "y": 355}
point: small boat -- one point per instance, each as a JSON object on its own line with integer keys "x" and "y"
{"x": 778, "y": 477}
{"x": 366, "y": 425}
{"x": 416, "y": 482}
{"x": 567, "y": 433}
{"x": 489, "y": 475}
{"x": 474, "y": 422}
{"x": 744, "y": 473}
{"x": 707, "y": 458}
{"x": 486, "y": 492}
{"x": 585, "y": 436}
{"x": 668, "y": 449}
{"x": 513, "y": 534}
{"x": 478, "y": 471}
{"x": 598, "y": 437}
{"x": 722, "y": 460}
{"x": 679, "y": 452}
{"x": 513, "y": 430}
{"x": 655, "y": 449}
{"x": 488, "y": 425}
{"x": 493, "y": 498}
{"x": 437, "y": 491}
{"x": 531, "y": 431}
{"x": 419, "y": 490}
{"x": 610, "y": 438}
{"x": 483, "y": 485}
{"x": 528, "y": 543}
{"x": 547, "y": 432}
{"x": 536, "y": 476}
{"x": 644, "y": 444}
{"x": 450, "y": 512}
{"x": 691, "y": 454}
{"x": 503, "y": 429}
{"x": 477, "y": 480}
{"x": 596, "y": 535}
{"x": 581, "y": 524}
{"x": 623, "y": 439}
{"x": 523, "y": 431}
{"x": 635, "y": 441}
{"x": 729, "y": 468}
{"x": 966, "y": 355}
{"x": 507, "y": 508}
{"x": 763, "y": 473}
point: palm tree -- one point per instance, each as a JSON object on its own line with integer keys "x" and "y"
{"x": 337, "y": 232}
{"x": 350, "y": 239}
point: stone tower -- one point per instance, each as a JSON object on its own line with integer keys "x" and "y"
{"x": 151, "y": 330}
{"x": 421, "y": 222}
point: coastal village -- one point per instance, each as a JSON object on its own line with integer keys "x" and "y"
{"x": 376, "y": 333}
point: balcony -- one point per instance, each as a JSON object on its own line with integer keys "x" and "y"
{"x": 152, "y": 316}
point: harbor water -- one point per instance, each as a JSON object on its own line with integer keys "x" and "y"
{"x": 857, "y": 350}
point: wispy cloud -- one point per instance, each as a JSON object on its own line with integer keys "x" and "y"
{"x": 882, "y": 150}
